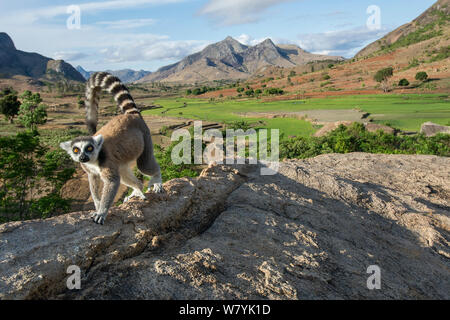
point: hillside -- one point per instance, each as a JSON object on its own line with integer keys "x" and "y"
{"x": 125, "y": 75}
{"x": 420, "y": 46}
{"x": 15, "y": 62}
{"x": 308, "y": 232}
{"x": 433, "y": 23}
{"x": 229, "y": 59}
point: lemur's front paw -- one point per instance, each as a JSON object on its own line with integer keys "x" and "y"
{"x": 98, "y": 217}
{"x": 137, "y": 194}
{"x": 157, "y": 188}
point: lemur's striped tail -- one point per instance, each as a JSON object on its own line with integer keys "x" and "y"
{"x": 112, "y": 84}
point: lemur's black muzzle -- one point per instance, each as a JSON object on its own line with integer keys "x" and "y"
{"x": 84, "y": 158}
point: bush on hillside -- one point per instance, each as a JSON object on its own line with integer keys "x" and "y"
{"x": 421, "y": 76}
{"x": 356, "y": 138}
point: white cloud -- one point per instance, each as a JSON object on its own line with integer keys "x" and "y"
{"x": 69, "y": 55}
{"x": 249, "y": 40}
{"x": 89, "y": 7}
{"x": 343, "y": 42}
{"x": 151, "y": 50}
{"x": 232, "y": 12}
{"x": 127, "y": 24}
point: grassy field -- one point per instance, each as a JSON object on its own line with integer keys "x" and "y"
{"x": 405, "y": 112}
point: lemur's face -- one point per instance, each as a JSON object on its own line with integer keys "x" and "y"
{"x": 83, "y": 149}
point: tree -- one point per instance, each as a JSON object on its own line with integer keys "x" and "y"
{"x": 421, "y": 76}
{"x": 403, "y": 82}
{"x": 383, "y": 76}
{"x": 9, "y": 105}
{"x": 32, "y": 112}
{"x": 31, "y": 178}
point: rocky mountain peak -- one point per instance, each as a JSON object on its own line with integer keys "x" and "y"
{"x": 6, "y": 41}
{"x": 267, "y": 43}
{"x": 230, "y": 59}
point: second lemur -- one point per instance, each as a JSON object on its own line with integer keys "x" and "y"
{"x": 107, "y": 154}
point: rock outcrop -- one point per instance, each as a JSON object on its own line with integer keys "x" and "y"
{"x": 308, "y": 232}
{"x": 370, "y": 127}
{"x": 431, "y": 129}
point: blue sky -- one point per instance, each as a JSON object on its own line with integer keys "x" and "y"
{"x": 148, "y": 34}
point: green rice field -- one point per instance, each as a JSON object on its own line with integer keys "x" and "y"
{"x": 405, "y": 112}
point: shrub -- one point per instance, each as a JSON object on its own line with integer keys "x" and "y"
{"x": 356, "y": 138}
{"x": 32, "y": 112}
{"x": 421, "y": 76}
{"x": 9, "y": 105}
{"x": 239, "y": 124}
{"x": 383, "y": 76}
{"x": 273, "y": 91}
{"x": 403, "y": 83}
{"x": 169, "y": 170}
{"x": 250, "y": 92}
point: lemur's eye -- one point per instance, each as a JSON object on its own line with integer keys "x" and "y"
{"x": 76, "y": 150}
{"x": 90, "y": 148}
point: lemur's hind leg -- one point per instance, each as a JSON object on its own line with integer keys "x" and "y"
{"x": 128, "y": 178}
{"x": 148, "y": 165}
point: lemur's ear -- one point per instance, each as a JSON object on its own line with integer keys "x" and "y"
{"x": 66, "y": 145}
{"x": 98, "y": 140}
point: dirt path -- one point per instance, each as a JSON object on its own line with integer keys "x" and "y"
{"x": 315, "y": 116}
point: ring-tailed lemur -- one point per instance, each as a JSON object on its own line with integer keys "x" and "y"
{"x": 108, "y": 153}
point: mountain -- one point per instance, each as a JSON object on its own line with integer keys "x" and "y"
{"x": 17, "y": 62}
{"x": 125, "y": 75}
{"x": 432, "y": 23}
{"x": 84, "y": 73}
{"x": 230, "y": 59}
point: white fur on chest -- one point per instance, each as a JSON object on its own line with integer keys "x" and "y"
{"x": 92, "y": 168}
